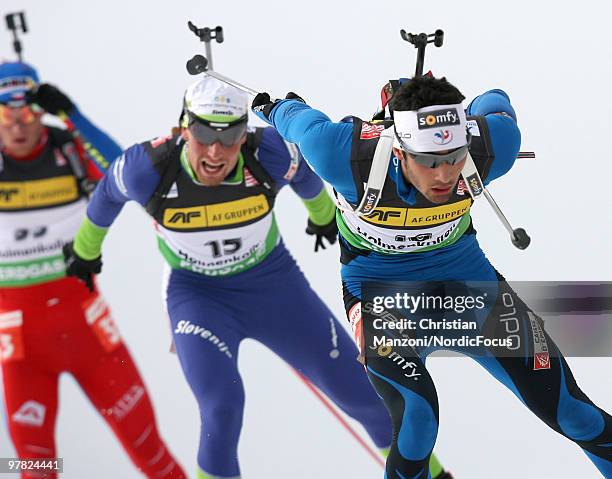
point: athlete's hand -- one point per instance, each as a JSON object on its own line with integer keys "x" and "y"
{"x": 81, "y": 268}
{"x": 263, "y": 105}
{"x": 328, "y": 231}
{"x": 51, "y": 99}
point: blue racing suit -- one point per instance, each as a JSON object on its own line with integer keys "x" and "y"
{"x": 232, "y": 278}
{"x": 335, "y": 152}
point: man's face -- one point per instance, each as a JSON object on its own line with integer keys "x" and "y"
{"x": 436, "y": 184}
{"x": 18, "y": 136}
{"x": 211, "y": 163}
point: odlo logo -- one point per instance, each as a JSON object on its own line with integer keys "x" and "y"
{"x": 182, "y": 217}
{"x": 438, "y": 118}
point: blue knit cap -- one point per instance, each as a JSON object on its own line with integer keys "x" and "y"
{"x": 15, "y": 80}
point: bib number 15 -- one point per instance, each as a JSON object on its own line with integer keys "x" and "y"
{"x": 225, "y": 247}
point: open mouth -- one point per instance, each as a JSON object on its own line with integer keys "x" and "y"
{"x": 442, "y": 190}
{"x": 211, "y": 169}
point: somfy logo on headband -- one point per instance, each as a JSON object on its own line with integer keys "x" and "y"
{"x": 438, "y": 118}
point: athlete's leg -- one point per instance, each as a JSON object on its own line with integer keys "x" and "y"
{"x": 301, "y": 329}
{"x": 106, "y": 372}
{"x": 296, "y": 325}
{"x": 401, "y": 379}
{"x": 541, "y": 378}
{"x": 30, "y": 397}
{"x": 207, "y": 344}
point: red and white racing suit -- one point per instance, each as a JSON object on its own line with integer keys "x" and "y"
{"x": 51, "y": 324}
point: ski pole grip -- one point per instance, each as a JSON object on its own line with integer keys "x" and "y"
{"x": 520, "y": 238}
{"x": 198, "y": 64}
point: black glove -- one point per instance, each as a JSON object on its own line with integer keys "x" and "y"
{"x": 50, "y": 99}
{"x": 263, "y": 104}
{"x": 328, "y": 231}
{"x": 81, "y": 268}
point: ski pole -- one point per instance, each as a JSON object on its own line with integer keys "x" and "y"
{"x": 313, "y": 389}
{"x": 518, "y": 236}
{"x": 206, "y": 35}
{"x": 15, "y": 22}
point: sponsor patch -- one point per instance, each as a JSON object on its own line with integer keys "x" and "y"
{"x": 442, "y": 137}
{"x": 295, "y": 160}
{"x": 369, "y": 131}
{"x": 371, "y": 196}
{"x": 220, "y": 214}
{"x": 31, "y": 413}
{"x": 38, "y": 193}
{"x": 474, "y": 184}
{"x": 354, "y": 317}
{"x": 472, "y": 126}
{"x": 541, "y": 353}
{"x": 126, "y": 403}
{"x": 461, "y": 188}
{"x": 438, "y": 118}
{"x": 391, "y": 216}
{"x": 541, "y": 361}
{"x": 98, "y": 317}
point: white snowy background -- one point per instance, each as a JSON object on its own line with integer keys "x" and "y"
{"x": 123, "y": 62}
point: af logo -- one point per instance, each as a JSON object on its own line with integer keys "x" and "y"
{"x": 7, "y": 193}
{"x": 184, "y": 217}
{"x": 383, "y": 216}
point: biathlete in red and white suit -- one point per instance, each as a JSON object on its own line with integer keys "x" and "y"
{"x": 51, "y": 324}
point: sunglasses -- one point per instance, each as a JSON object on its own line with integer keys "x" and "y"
{"x": 26, "y": 115}
{"x": 433, "y": 160}
{"x": 209, "y": 132}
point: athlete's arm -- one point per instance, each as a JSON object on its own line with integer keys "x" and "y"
{"x": 505, "y": 135}
{"x": 284, "y": 162}
{"x": 131, "y": 177}
{"x": 98, "y": 147}
{"x": 325, "y": 145}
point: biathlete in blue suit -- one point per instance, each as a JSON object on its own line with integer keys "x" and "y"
{"x": 416, "y": 227}
{"x": 211, "y": 190}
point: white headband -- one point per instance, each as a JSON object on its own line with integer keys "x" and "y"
{"x": 432, "y": 128}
